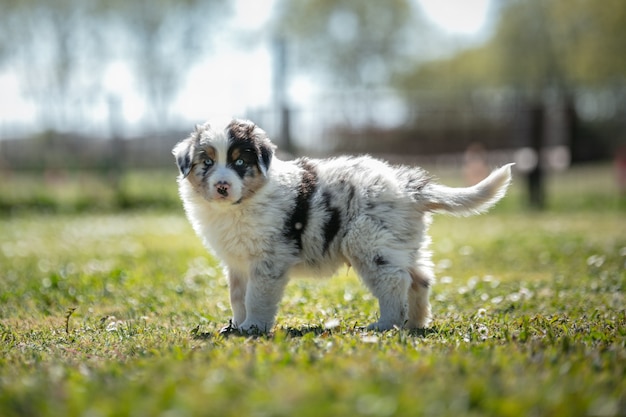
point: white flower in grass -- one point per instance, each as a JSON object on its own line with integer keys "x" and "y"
{"x": 332, "y": 324}
{"x": 483, "y": 332}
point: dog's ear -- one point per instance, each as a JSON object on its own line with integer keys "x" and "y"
{"x": 183, "y": 154}
{"x": 266, "y": 153}
{"x": 183, "y": 151}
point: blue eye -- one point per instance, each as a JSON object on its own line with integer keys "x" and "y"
{"x": 239, "y": 162}
{"x": 208, "y": 162}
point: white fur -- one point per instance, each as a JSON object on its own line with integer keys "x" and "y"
{"x": 359, "y": 211}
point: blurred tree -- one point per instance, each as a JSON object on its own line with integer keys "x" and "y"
{"x": 164, "y": 38}
{"x": 351, "y": 42}
{"x": 50, "y": 53}
{"x": 596, "y": 35}
{"x": 352, "y": 48}
{"x": 537, "y": 44}
{"x": 61, "y": 49}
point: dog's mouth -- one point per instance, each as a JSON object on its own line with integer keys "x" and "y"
{"x": 223, "y": 197}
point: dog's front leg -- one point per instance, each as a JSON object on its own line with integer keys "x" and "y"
{"x": 263, "y": 293}
{"x": 237, "y": 284}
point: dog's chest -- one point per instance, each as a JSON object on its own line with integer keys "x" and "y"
{"x": 239, "y": 237}
{"x": 236, "y": 237}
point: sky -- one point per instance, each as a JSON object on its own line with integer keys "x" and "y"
{"x": 216, "y": 90}
{"x": 462, "y": 17}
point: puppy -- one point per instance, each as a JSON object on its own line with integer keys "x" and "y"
{"x": 267, "y": 219}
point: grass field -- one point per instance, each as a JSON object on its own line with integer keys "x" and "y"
{"x": 116, "y": 314}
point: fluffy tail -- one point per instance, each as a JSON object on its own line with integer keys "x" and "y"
{"x": 471, "y": 200}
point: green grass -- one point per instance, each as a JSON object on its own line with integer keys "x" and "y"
{"x": 76, "y": 191}
{"x": 529, "y": 320}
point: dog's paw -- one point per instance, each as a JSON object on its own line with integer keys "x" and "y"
{"x": 229, "y": 329}
{"x": 253, "y": 328}
{"x": 382, "y": 326}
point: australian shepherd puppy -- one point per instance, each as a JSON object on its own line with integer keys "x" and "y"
{"x": 267, "y": 219}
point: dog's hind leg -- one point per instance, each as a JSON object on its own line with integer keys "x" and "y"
{"x": 391, "y": 289}
{"x": 378, "y": 266}
{"x": 390, "y": 285}
{"x": 419, "y": 306}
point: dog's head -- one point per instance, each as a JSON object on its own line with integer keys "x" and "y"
{"x": 225, "y": 164}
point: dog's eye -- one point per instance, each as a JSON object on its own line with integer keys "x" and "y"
{"x": 240, "y": 162}
{"x": 208, "y": 162}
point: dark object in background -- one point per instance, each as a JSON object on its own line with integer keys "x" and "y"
{"x": 535, "y": 177}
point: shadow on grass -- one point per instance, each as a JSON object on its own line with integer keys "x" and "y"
{"x": 296, "y": 332}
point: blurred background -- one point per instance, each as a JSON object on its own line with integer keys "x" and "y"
{"x": 95, "y": 93}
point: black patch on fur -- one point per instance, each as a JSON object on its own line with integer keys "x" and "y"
{"x": 380, "y": 261}
{"x": 266, "y": 156}
{"x": 297, "y": 221}
{"x": 243, "y": 146}
{"x": 249, "y": 158}
{"x": 184, "y": 164}
{"x": 351, "y": 192}
{"x": 241, "y": 131}
{"x": 245, "y": 136}
{"x": 240, "y": 137}
{"x": 333, "y": 223}
{"x": 240, "y": 170}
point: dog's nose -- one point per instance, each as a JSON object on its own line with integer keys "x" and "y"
{"x": 222, "y": 188}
